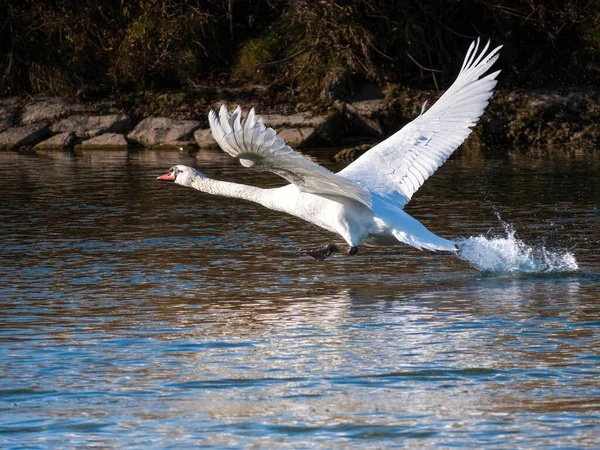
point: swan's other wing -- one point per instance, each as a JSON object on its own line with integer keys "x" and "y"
{"x": 256, "y": 145}
{"x": 395, "y": 168}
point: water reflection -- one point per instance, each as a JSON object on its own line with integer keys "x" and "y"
{"x": 135, "y": 313}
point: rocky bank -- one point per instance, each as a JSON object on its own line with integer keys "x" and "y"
{"x": 564, "y": 119}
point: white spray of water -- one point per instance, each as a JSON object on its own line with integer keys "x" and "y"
{"x": 510, "y": 255}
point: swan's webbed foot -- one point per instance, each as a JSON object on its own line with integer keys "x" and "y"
{"x": 325, "y": 251}
{"x": 320, "y": 253}
{"x": 352, "y": 251}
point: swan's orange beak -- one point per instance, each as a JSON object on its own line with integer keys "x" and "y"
{"x": 167, "y": 177}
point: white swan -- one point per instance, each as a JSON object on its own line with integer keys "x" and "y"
{"x": 365, "y": 200}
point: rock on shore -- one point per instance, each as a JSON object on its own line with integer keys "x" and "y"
{"x": 24, "y": 136}
{"x": 49, "y": 110}
{"x": 59, "y": 141}
{"x": 9, "y": 109}
{"x": 514, "y": 119}
{"x": 105, "y": 141}
{"x": 164, "y": 132}
{"x": 94, "y": 125}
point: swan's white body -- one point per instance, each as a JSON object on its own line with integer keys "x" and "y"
{"x": 364, "y": 201}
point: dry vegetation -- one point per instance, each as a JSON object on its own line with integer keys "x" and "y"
{"x": 312, "y": 50}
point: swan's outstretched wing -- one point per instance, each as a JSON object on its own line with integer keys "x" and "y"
{"x": 256, "y": 145}
{"x": 395, "y": 168}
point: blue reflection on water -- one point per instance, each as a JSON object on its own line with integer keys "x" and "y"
{"x": 136, "y": 314}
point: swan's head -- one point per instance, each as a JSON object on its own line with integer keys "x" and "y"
{"x": 183, "y": 175}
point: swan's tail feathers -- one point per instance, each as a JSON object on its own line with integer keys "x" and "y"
{"x": 409, "y": 230}
{"x": 427, "y": 241}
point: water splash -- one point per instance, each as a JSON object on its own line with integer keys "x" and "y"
{"x": 510, "y": 255}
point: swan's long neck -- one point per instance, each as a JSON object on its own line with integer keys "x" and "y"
{"x": 228, "y": 189}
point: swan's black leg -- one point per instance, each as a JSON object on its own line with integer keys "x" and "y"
{"x": 320, "y": 253}
{"x": 325, "y": 251}
{"x": 352, "y": 251}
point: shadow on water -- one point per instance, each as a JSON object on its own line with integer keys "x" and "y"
{"x": 137, "y": 313}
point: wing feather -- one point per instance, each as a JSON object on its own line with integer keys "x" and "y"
{"x": 397, "y": 167}
{"x": 248, "y": 140}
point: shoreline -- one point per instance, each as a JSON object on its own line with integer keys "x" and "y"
{"x": 515, "y": 120}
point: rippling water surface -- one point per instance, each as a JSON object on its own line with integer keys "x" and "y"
{"x": 142, "y": 314}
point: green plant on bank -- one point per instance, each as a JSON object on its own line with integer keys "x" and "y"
{"x": 310, "y": 45}
{"x": 160, "y": 46}
{"x": 254, "y": 56}
{"x": 588, "y": 55}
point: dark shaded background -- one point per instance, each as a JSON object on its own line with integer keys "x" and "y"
{"x": 314, "y": 50}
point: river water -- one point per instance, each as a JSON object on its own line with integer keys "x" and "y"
{"x": 140, "y": 314}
